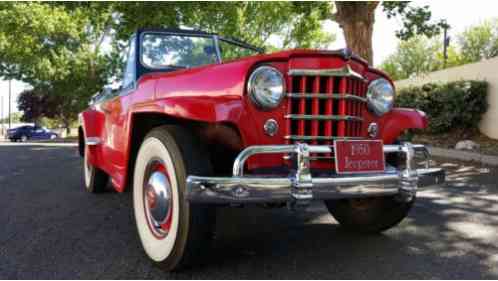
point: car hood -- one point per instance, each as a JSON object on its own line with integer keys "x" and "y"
{"x": 345, "y": 53}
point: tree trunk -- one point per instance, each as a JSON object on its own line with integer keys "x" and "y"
{"x": 356, "y": 20}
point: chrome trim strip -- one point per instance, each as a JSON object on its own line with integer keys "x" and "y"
{"x": 326, "y": 96}
{"x": 308, "y": 138}
{"x": 312, "y": 158}
{"x": 345, "y": 71}
{"x": 91, "y": 141}
{"x": 323, "y": 117}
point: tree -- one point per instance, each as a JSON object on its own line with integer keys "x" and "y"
{"x": 357, "y": 20}
{"x": 479, "y": 42}
{"x": 298, "y": 23}
{"x": 15, "y": 117}
{"x": 55, "y": 47}
{"x": 418, "y": 55}
{"x": 41, "y": 103}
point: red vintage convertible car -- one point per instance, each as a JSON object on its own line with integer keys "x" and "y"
{"x": 203, "y": 121}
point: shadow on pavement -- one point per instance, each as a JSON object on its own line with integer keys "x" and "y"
{"x": 52, "y": 228}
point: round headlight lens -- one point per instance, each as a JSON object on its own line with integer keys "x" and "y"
{"x": 380, "y": 96}
{"x": 266, "y": 87}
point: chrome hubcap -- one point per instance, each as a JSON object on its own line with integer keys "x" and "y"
{"x": 158, "y": 201}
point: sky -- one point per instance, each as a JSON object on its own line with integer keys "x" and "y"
{"x": 459, "y": 14}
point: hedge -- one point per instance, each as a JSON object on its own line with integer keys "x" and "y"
{"x": 451, "y": 106}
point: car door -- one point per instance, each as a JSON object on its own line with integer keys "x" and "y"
{"x": 37, "y": 133}
{"x": 30, "y": 132}
{"x": 115, "y": 110}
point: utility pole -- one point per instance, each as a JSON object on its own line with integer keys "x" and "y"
{"x": 1, "y": 116}
{"x": 446, "y": 43}
{"x": 10, "y": 97}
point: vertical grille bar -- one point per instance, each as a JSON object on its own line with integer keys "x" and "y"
{"x": 354, "y": 111}
{"x": 358, "y": 106}
{"x": 341, "y": 130}
{"x": 315, "y": 108}
{"x": 329, "y": 106}
{"x": 302, "y": 107}
{"x": 288, "y": 122}
{"x": 363, "y": 94}
{"x": 349, "y": 107}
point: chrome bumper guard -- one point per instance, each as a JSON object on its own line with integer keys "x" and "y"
{"x": 301, "y": 186}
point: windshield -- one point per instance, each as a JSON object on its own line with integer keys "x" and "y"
{"x": 231, "y": 50}
{"x": 169, "y": 50}
{"x": 180, "y": 51}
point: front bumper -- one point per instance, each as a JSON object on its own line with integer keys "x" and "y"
{"x": 301, "y": 185}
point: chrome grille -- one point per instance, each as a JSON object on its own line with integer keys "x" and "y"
{"x": 324, "y": 105}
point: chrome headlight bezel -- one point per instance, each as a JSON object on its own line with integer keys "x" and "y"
{"x": 380, "y": 96}
{"x": 263, "y": 100}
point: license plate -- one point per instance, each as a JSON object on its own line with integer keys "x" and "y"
{"x": 359, "y": 156}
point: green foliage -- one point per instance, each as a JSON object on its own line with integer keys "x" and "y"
{"x": 416, "y": 20}
{"x": 299, "y": 23}
{"x": 55, "y": 47}
{"x": 479, "y": 42}
{"x": 418, "y": 55}
{"x": 357, "y": 19}
{"x": 451, "y": 106}
{"x": 15, "y": 117}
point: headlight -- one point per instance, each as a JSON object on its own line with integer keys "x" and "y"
{"x": 380, "y": 96}
{"x": 266, "y": 87}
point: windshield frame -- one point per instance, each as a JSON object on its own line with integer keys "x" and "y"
{"x": 186, "y": 33}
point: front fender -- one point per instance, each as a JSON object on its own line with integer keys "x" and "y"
{"x": 91, "y": 122}
{"x": 394, "y": 123}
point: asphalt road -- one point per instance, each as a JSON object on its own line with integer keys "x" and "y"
{"x": 51, "y": 228}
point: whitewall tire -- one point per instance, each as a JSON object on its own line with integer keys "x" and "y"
{"x": 172, "y": 231}
{"x": 95, "y": 179}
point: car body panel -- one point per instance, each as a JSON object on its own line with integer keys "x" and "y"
{"x": 216, "y": 94}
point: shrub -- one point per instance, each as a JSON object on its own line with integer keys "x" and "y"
{"x": 450, "y": 106}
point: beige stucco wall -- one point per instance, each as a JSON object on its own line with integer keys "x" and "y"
{"x": 485, "y": 70}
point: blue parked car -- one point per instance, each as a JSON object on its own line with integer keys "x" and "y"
{"x": 25, "y": 133}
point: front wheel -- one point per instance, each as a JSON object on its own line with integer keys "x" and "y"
{"x": 24, "y": 138}
{"x": 369, "y": 215}
{"x": 173, "y": 232}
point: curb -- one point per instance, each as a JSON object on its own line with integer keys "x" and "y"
{"x": 464, "y": 155}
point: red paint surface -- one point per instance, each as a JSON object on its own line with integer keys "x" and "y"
{"x": 216, "y": 94}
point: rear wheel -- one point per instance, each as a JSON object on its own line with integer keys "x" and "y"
{"x": 24, "y": 138}
{"x": 369, "y": 215}
{"x": 95, "y": 179}
{"x": 173, "y": 232}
